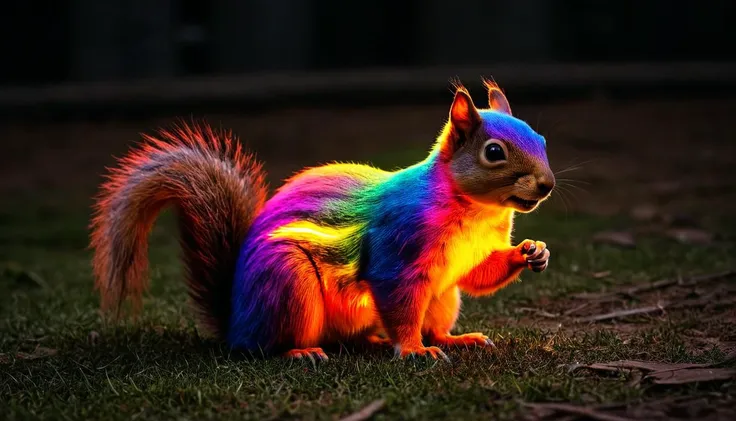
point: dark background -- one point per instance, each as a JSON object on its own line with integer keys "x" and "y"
{"x": 57, "y": 41}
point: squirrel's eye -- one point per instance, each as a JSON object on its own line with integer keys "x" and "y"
{"x": 494, "y": 152}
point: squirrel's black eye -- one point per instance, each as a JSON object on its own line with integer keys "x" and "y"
{"x": 494, "y": 152}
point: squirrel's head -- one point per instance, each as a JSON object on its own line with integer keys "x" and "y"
{"x": 495, "y": 158}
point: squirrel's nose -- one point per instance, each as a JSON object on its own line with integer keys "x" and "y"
{"x": 545, "y": 184}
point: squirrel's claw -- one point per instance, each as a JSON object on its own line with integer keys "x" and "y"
{"x": 539, "y": 262}
{"x": 310, "y": 353}
{"x": 429, "y": 351}
{"x": 536, "y": 254}
{"x": 528, "y": 248}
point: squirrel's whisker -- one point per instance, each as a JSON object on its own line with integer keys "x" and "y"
{"x": 573, "y": 180}
{"x": 573, "y": 186}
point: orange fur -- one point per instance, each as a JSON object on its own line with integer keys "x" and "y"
{"x": 216, "y": 189}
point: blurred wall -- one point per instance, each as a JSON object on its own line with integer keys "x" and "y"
{"x": 48, "y": 41}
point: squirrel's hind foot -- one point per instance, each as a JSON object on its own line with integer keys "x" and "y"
{"x": 466, "y": 340}
{"x": 378, "y": 340}
{"x": 310, "y": 353}
{"x": 429, "y": 351}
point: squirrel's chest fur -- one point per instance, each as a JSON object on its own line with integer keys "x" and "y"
{"x": 466, "y": 245}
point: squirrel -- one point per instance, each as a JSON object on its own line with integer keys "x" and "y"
{"x": 339, "y": 251}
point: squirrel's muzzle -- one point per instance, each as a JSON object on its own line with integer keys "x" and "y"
{"x": 545, "y": 184}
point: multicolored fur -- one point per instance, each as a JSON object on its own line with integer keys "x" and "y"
{"x": 340, "y": 251}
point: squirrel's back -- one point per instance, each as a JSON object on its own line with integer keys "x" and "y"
{"x": 329, "y": 195}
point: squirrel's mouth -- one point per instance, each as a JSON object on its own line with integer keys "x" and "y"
{"x": 523, "y": 204}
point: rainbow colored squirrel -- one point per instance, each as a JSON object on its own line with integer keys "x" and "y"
{"x": 340, "y": 251}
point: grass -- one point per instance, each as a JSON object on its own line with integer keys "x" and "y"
{"x": 160, "y": 367}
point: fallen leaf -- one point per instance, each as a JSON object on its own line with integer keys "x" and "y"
{"x": 690, "y": 235}
{"x": 694, "y": 406}
{"x": 730, "y": 352}
{"x": 366, "y": 412}
{"x": 630, "y": 291}
{"x": 544, "y": 410}
{"x": 616, "y": 238}
{"x": 700, "y": 344}
{"x": 694, "y": 375}
{"x": 39, "y": 352}
{"x": 665, "y": 373}
{"x": 643, "y": 212}
{"x": 641, "y": 365}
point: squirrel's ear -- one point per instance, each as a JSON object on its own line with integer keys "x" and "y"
{"x": 496, "y": 99}
{"x": 464, "y": 116}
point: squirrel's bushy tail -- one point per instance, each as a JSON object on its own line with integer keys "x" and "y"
{"x": 216, "y": 188}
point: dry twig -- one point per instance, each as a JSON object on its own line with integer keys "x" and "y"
{"x": 367, "y": 412}
{"x": 630, "y": 292}
{"x": 537, "y": 311}
{"x": 623, "y": 313}
{"x": 577, "y": 410}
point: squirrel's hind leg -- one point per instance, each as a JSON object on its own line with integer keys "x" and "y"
{"x": 378, "y": 336}
{"x": 306, "y": 307}
{"x": 440, "y": 318}
{"x": 279, "y": 304}
{"x": 402, "y": 307}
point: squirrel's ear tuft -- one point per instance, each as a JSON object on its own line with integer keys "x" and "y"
{"x": 496, "y": 99}
{"x": 464, "y": 120}
{"x": 463, "y": 114}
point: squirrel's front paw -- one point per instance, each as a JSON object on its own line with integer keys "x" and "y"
{"x": 535, "y": 254}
